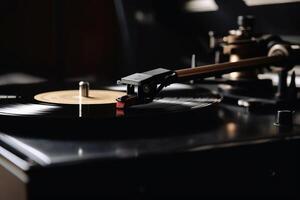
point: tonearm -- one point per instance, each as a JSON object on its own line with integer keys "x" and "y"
{"x": 143, "y": 87}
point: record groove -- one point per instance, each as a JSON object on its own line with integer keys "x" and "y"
{"x": 172, "y": 108}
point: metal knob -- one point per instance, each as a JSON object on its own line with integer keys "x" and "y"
{"x": 84, "y": 88}
{"x": 245, "y": 22}
{"x": 284, "y": 118}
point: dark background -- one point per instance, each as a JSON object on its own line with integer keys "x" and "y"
{"x": 174, "y": 34}
{"x": 59, "y": 39}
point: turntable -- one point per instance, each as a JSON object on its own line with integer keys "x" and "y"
{"x": 214, "y": 129}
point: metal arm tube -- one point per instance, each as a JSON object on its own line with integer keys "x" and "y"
{"x": 227, "y": 67}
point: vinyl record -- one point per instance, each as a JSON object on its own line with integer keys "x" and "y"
{"x": 43, "y": 108}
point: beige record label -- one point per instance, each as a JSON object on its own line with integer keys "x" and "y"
{"x": 72, "y": 97}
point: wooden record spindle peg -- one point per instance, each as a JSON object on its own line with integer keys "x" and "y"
{"x": 84, "y": 88}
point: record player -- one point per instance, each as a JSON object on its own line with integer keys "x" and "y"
{"x": 229, "y": 128}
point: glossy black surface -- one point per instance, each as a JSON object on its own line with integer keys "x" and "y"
{"x": 165, "y": 116}
{"x": 239, "y": 153}
{"x": 235, "y": 126}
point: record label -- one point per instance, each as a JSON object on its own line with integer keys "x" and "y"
{"x": 72, "y": 97}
